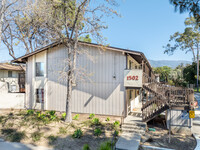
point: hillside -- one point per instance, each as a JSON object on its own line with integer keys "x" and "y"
{"x": 169, "y": 63}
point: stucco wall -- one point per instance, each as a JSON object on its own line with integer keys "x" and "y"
{"x": 10, "y": 100}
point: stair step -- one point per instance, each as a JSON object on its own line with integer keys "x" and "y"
{"x": 142, "y": 132}
{"x": 133, "y": 127}
{"x": 141, "y": 124}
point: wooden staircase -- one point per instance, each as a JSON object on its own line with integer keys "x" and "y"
{"x": 160, "y": 97}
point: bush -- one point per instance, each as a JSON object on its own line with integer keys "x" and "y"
{"x": 86, "y": 147}
{"x": 97, "y": 132}
{"x": 77, "y": 133}
{"x": 108, "y": 119}
{"x": 96, "y": 121}
{"x": 91, "y": 116}
{"x": 36, "y": 136}
{"x": 62, "y": 130}
{"x": 105, "y": 146}
{"x": 116, "y": 133}
{"x": 76, "y": 117}
{"x": 116, "y": 124}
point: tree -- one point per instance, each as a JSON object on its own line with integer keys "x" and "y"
{"x": 62, "y": 21}
{"x": 189, "y": 73}
{"x": 191, "y": 6}
{"x": 187, "y": 41}
{"x": 163, "y": 72}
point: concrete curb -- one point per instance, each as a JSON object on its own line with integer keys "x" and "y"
{"x": 197, "y": 138}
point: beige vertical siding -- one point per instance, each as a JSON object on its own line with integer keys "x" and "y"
{"x": 101, "y": 93}
{"x": 56, "y": 87}
{"x": 104, "y": 94}
{"x": 29, "y": 76}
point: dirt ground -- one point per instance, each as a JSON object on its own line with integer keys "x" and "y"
{"x": 160, "y": 138}
{"x": 56, "y": 134}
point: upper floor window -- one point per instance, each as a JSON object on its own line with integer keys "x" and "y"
{"x": 39, "y": 69}
{"x": 10, "y": 74}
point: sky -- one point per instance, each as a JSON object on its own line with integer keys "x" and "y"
{"x": 145, "y": 25}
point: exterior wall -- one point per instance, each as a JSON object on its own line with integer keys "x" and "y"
{"x": 105, "y": 93}
{"x": 10, "y": 100}
{"x": 101, "y": 92}
{"x": 12, "y": 81}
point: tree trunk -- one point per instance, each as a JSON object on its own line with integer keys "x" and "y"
{"x": 197, "y": 68}
{"x": 69, "y": 87}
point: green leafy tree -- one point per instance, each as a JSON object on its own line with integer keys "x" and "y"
{"x": 164, "y": 73}
{"x": 187, "y": 41}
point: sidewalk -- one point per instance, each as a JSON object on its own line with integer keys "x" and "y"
{"x": 19, "y": 146}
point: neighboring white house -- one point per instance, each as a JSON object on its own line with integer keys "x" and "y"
{"x": 10, "y": 74}
{"x": 114, "y": 84}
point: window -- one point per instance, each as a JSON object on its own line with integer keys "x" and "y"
{"x": 10, "y": 74}
{"x": 39, "y": 69}
{"x": 39, "y": 95}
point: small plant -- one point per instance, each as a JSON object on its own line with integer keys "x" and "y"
{"x": 10, "y": 125}
{"x": 86, "y": 147}
{"x": 108, "y": 119}
{"x": 62, "y": 130}
{"x": 30, "y": 112}
{"x": 52, "y": 139}
{"x": 63, "y": 116}
{"x": 106, "y": 146}
{"x": 97, "y": 132}
{"x": 96, "y": 121}
{"x": 36, "y": 136}
{"x": 76, "y": 117}
{"x": 77, "y": 133}
{"x": 91, "y": 116}
{"x": 116, "y": 124}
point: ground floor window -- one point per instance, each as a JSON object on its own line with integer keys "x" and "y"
{"x": 39, "y": 95}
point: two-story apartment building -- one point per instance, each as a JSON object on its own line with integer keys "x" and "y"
{"x": 112, "y": 87}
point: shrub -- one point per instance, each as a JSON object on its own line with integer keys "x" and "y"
{"x": 108, "y": 119}
{"x": 96, "y": 121}
{"x": 30, "y": 112}
{"x": 52, "y": 139}
{"x": 77, "y": 133}
{"x": 105, "y": 146}
{"x": 91, "y": 116}
{"x": 116, "y": 124}
{"x": 62, "y": 130}
{"x": 76, "y": 117}
{"x": 36, "y": 136}
{"x": 97, "y": 132}
{"x": 10, "y": 125}
{"x": 86, "y": 147}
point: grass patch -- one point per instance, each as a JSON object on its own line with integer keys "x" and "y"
{"x": 52, "y": 139}
{"x": 12, "y": 135}
{"x": 86, "y": 147}
{"x": 62, "y": 130}
{"x": 105, "y": 146}
{"x": 77, "y": 133}
{"x": 36, "y": 136}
